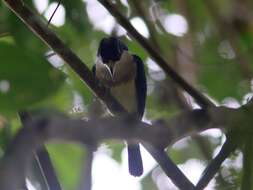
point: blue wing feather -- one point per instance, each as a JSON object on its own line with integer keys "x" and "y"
{"x": 141, "y": 86}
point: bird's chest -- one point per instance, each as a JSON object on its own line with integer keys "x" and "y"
{"x": 125, "y": 94}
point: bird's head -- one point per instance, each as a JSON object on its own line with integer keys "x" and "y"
{"x": 110, "y": 51}
{"x": 115, "y": 63}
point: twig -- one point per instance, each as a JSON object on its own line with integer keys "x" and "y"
{"x": 43, "y": 160}
{"x": 48, "y": 169}
{"x": 215, "y": 164}
{"x": 200, "y": 98}
{"x": 59, "y": 2}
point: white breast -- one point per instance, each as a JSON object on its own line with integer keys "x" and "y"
{"x": 125, "y": 94}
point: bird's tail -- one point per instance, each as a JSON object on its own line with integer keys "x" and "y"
{"x": 134, "y": 160}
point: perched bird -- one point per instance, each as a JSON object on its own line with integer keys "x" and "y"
{"x": 123, "y": 74}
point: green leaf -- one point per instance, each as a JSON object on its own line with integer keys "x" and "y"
{"x": 5, "y": 134}
{"x": 156, "y": 109}
{"x": 25, "y": 78}
{"x": 22, "y": 35}
{"x": 148, "y": 183}
{"x": 221, "y": 77}
{"x": 81, "y": 87}
{"x": 68, "y": 161}
{"x": 116, "y": 148}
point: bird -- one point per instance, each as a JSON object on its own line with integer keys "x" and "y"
{"x": 123, "y": 74}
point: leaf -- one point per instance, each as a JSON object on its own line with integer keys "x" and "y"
{"x": 221, "y": 77}
{"x": 25, "y": 78}
{"x": 81, "y": 87}
{"x": 68, "y": 161}
{"x": 155, "y": 109}
{"x": 117, "y": 149}
{"x": 148, "y": 183}
{"x": 22, "y": 35}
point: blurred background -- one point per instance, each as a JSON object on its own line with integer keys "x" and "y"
{"x": 208, "y": 42}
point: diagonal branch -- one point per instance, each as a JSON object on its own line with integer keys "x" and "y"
{"x": 50, "y": 19}
{"x": 170, "y": 168}
{"x": 86, "y": 176}
{"x": 227, "y": 148}
{"x": 200, "y": 98}
{"x": 43, "y": 159}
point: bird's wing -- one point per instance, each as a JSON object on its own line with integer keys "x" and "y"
{"x": 141, "y": 85}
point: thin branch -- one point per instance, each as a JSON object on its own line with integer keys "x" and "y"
{"x": 43, "y": 159}
{"x": 215, "y": 164}
{"x": 200, "y": 98}
{"x": 59, "y": 2}
{"x": 48, "y": 169}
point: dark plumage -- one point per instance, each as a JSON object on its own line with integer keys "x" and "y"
{"x": 123, "y": 73}
{"x": 111, "y": 49}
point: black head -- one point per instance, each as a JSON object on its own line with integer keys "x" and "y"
{"x": 110, "y": 49}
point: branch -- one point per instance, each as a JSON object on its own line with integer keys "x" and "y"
{"x": 50, "y": 19}
{"x": 58, "y": 127}
{"x": 227, "y": 148}
{"x": 170, "y": 168}
{"x": 43, "y": 160}
{"x": 200, "y": 98}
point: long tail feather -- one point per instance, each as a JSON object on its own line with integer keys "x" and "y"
{"x": 134, "y": 160}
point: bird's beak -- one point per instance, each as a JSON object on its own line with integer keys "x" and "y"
{"x": 111, "y": 65}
